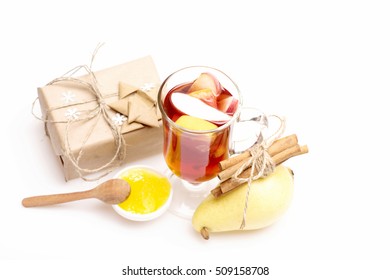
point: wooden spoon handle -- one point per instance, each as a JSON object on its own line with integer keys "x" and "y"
{"x": 44, "y": 200}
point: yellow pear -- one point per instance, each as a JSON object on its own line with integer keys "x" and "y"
{"x": 268, "y": 199}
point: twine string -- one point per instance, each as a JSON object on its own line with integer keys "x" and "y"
{"x": 101, "y": 110}
{"x": 260, "y": 162}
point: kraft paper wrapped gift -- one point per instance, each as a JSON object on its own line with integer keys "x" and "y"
{"x": 103, "y": 119}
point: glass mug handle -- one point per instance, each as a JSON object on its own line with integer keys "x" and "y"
{"x": 248, "y": 130}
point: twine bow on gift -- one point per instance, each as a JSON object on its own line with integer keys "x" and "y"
{"x": 135, "y": 109}
{"x": 101, "y": 110}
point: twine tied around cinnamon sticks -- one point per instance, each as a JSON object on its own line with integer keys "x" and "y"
{"x": 260, "y": 160}
{"x": 257, "y": 162}
{"x": 101, "y": 110}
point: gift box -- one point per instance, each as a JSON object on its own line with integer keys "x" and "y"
{"x": 102, "y": 119}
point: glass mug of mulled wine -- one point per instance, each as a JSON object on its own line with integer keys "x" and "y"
{"x": 199, "y": 107}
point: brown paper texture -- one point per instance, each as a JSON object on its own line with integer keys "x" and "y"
{"x": 66, "y": 100}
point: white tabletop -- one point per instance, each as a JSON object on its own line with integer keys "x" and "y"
{"x": 324, "y": 66}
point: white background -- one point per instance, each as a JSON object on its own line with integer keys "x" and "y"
{"x": 325, "y": 65}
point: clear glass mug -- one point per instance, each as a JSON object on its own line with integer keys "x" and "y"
{"x": 193, "y": 155}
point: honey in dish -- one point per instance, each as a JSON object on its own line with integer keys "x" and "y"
{"x": 149, "y": 191}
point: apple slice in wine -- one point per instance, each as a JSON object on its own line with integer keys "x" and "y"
{"x": 193, "y": 106}
{"x": 228, "y": 105}
{"x": 206, "y": 81}
{"x": 206, "y": 95}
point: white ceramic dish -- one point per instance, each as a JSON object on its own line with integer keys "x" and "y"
{"x": 142, "y": 217}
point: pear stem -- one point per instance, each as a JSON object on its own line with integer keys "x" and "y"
{"x": 205, "y": 233}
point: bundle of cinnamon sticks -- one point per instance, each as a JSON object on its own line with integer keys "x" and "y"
{"x": 280, "y": 151}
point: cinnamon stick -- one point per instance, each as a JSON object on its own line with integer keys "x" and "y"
{"x": 286, "y": 154}
{"x": 230, "y": 166}
{"x": 233, "y": 160}
{"x": 229, "y": 172}
{"x": 282, "y": 144}
{"x": 279, "y": 158}
{"x": 217, "y": 192}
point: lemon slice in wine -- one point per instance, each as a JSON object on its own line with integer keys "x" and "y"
{"x": 194, "y": 123}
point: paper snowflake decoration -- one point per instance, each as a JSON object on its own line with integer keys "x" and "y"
{"x": 72, "y": 114}
{"x": 68, "y": 97}
{"x": 119, "y": 119}
{"x": 148, "y": 87}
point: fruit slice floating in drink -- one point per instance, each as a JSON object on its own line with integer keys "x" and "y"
{"x": 205, "y": 95}
{"x": 194, "y": 123}
{"x": 217, "y": 104}
{"x": 227, "y": 104}
{"x": 192, "y": 106}
{"x": 204, "y": 81}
